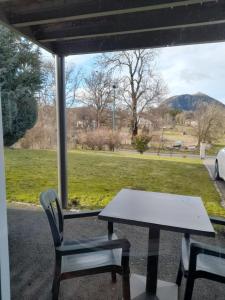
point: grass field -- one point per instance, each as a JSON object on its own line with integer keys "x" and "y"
{"x": 95, "y": 177}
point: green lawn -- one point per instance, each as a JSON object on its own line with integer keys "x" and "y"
{"x": 95, "y": 177}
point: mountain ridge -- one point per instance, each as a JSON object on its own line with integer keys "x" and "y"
{"x": 190, "y": 102}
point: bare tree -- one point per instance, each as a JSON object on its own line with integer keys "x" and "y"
{"x": 73, "y": 78}
{"x": 209, "y": 122}
{"x": 139, "y": 85}
{"x": 97, "y": 93}
{"x": 43, "y": 135}
{"x": 47, "y": 93}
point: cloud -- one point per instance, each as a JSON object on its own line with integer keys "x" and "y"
{"x": 190, "y": 69}
{"x": 80, "y": 59}
{"x": 185, "y": 69}
{"x": 85, "y": 61}
{"x": 188, "y": 76}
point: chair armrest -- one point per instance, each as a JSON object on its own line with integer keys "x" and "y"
{"x": 82, "y": 214}
{"x": 94, "y": 247}
{"x": 89, "y": 214}
{"x": 201, "y": 248}
{"x": 217, "y": 220}
{"x": 191, "y": 249}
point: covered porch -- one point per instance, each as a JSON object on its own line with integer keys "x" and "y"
{"x": 79, "y": 27}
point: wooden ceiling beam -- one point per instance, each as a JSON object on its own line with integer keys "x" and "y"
{"x": 121, "y": 25}
{"x": 181, "y": 17}
{"x": 47, "y": 12}
{"x": 155, "y": 39}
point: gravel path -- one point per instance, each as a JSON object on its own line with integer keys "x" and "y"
{"x": 163, "y": 154}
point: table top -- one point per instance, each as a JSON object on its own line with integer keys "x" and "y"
{"x": 166, "y": 211}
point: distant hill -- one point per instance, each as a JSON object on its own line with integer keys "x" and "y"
{"x": 188, "y": 102}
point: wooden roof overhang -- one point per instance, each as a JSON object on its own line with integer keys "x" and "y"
{"x": 66, "y": 27}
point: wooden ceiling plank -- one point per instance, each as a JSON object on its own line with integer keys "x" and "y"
{"x": 175, "y": 37}
{"x": 182, "y": 17}
{"x": 90, "y": 9}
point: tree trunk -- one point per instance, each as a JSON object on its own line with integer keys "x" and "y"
{"x": 134, "y": 128}
{"x": 134, "y": 120}
{"x": 98, "y": 119}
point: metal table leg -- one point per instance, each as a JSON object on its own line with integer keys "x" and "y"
{"x": 152, "y": 264}
{"x": 148, "y": 288}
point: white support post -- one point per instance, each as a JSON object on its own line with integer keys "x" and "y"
{"x": 4, "y": 250}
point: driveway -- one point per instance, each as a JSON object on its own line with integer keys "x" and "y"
{"x": 219, "y": 184}
{"x": 172, "y": 154}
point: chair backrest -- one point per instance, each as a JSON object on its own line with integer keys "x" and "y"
{"x": 50, "y": 203}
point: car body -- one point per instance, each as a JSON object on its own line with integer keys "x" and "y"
{"x": 220, "y": 165}
{"x": 177, "y": 144}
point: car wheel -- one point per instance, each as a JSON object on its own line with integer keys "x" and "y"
{"x": 216, "y": 172}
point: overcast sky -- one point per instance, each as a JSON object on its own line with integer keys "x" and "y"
{"x": 185, "y": 69}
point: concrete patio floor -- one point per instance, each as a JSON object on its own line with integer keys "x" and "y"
{"x": 32, "y": 258}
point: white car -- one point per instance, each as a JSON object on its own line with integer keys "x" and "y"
{"x": 220, "y": 165}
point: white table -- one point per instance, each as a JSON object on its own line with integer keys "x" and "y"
{"x": 157, "y": 211}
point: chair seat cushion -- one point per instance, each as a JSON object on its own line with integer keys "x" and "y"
{"x": 91, "y": 260}
{"x": 86, "y": 241}
{"x": 205, "y": 263}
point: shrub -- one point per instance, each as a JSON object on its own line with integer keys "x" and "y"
{"x": 81, "y": 139}
{"x": 114, "y": 140}
{"x": 91, "y": 140}
{"x": 99, "y": 139}
{"x": 140, "y": 143}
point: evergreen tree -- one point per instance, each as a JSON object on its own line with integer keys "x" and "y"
{"x": 20, "y": 81}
